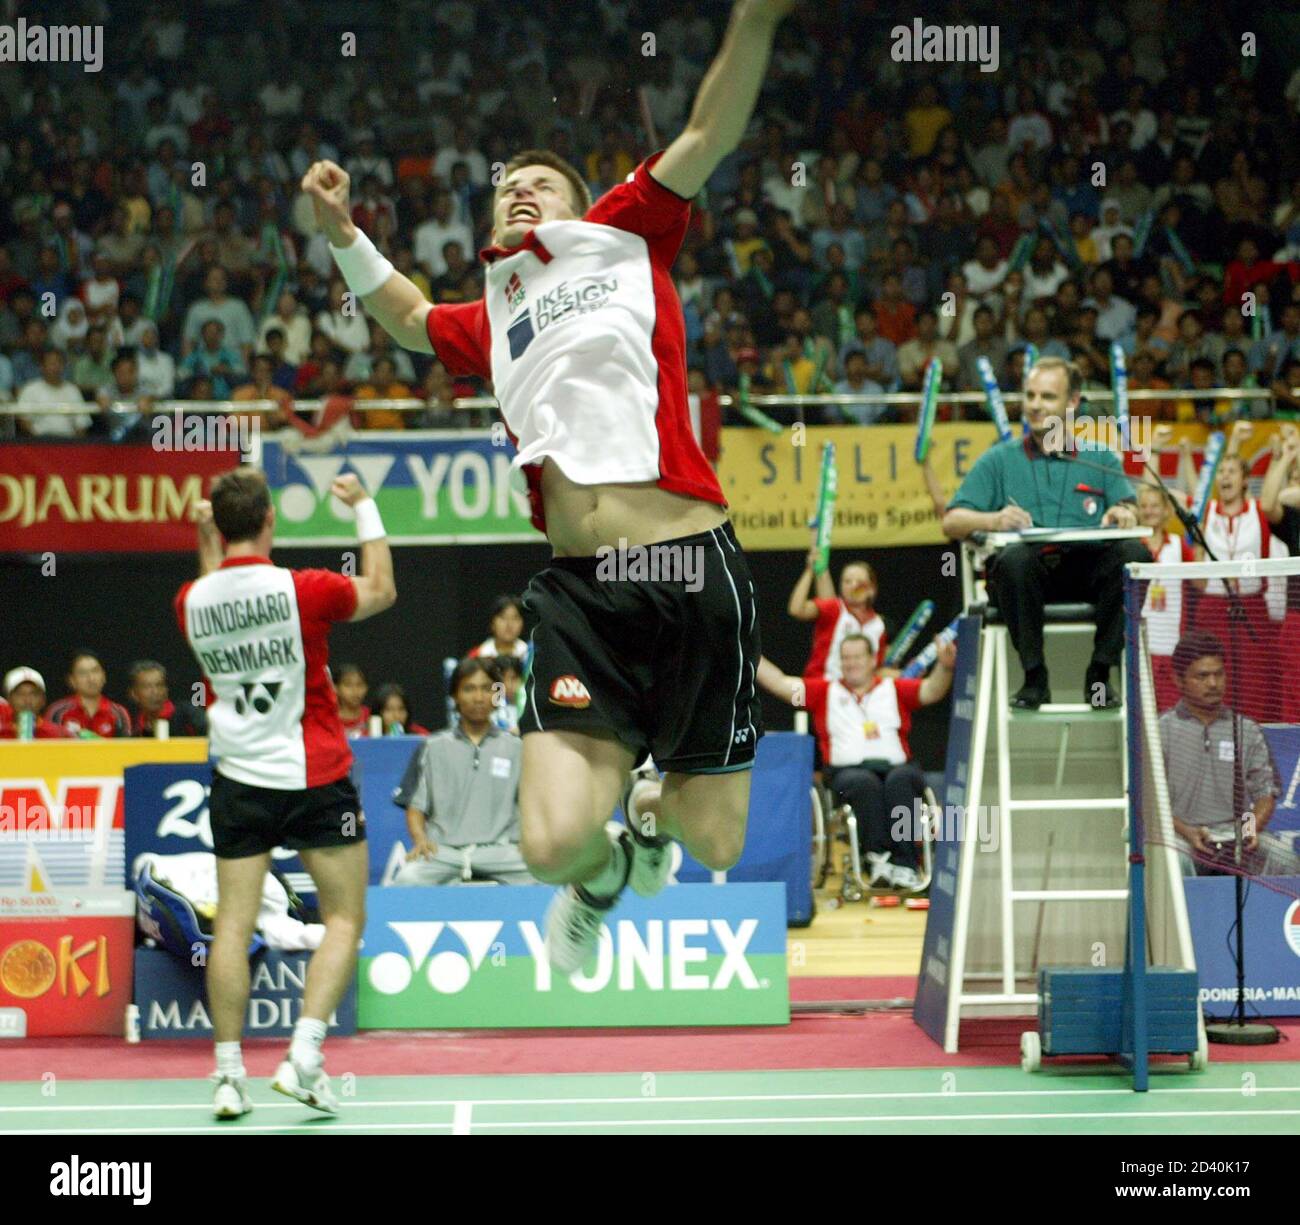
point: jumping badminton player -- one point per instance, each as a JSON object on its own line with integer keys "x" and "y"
{"x": 581, "y": 333}
{"x": 282, "y": 761}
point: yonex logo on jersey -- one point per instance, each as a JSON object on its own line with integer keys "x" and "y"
{"x": 742, "y": 736}
{"x": 570, "y": 691}
{"x": 258, "y": 697}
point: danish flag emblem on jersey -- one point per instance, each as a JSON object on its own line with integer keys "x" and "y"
{"x": 514, "y": 291}
{"x": 570, "y": 691}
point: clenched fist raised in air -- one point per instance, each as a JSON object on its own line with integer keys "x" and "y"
{"x": 329, "y": 187}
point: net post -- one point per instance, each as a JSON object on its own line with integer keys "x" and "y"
{"x": 1135, "y": 952}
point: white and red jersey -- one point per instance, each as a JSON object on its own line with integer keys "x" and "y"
{"x": 487, "y": 649}
{"x": 835, "y": 621}
{"x": 1164, "y": 605}
{"x": 581, "y": 332}
{"x": 1245, "y": 536}
{"x": 259, "y": 631}
{"x": 871, "y": 726}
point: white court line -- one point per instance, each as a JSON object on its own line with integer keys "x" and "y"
{"x": 460, "y": 1118}
{"x": 742, "y": 1120}
{"x": 358, "y": 1103}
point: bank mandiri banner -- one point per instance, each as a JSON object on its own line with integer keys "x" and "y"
{"x": 110, "y": 498}
{"x": 437, "y": 487}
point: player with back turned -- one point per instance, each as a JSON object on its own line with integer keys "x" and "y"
{"x": 282, "y": 763}
{"x": 581, "y": 332}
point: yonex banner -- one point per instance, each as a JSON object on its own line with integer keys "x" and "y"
{"x": 172, "y": 997}
{"x": 473, "y": 958}
{"x": 431, "y": 486}
{"x": 1272, "y": 945}
{"x": 98, "y": 499}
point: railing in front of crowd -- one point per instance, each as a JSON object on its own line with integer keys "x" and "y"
{"x": 899, "y": 399}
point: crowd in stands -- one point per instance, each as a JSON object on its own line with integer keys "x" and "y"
{"x": 1127, "y": 175}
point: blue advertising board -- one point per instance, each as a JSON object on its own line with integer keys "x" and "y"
{"x": 1272, "y": 944}
{"x": 930, "y": 1008}
{"x": 172, "y": 996}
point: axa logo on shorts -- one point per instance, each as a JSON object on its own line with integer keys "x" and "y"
{"x": 568, "y": 690}
{"x": 657, "y": 955}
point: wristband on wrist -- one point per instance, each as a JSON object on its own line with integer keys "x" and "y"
{"x": 362, "y": 266}
{"x": 369, "y": 525}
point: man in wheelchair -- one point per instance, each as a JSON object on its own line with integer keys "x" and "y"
{"x": 862, "y": 722}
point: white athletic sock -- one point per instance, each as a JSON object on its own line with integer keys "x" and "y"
{"x": 612, "y": 877}
{"x": 308, "y": 1037}
{"x": 230, "y": 1060}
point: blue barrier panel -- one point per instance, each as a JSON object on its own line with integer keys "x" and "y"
{"x": 172, "y": 997}
{"x": 1272, "y": 945}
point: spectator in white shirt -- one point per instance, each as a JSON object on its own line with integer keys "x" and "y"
{"x": 1029, "y": 126}
{"x": 292, "y": 320}
{"x": 986, "y": 272}
{"x": 439, "y": 229}
{"x": 155, "y": 369}
{"x": 136, "y": 92}
{"x": 52, "y": 390}
{"x": 128, "y": 326}
{"x": 280, "y": 99}
{"x": 367, "y": 161}
{"x": 160, "y": 127}
{"x": 344, "y": 323}
{"x": 462, "y": 149}
{"x": 100, "y": 291}
{"x": 186, "y": 102}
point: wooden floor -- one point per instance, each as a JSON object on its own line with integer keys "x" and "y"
{"x": 856, "y": 939}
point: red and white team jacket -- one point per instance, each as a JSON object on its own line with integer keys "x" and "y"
{"x": 872, "y": 727}
{"x": 259, "y": 632}
{"x": 834, "y": 623}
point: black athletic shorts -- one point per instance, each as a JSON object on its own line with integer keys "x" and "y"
{"x": 248, "y": 820}
{"x": 657, "y": 645}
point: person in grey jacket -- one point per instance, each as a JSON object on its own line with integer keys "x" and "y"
{"x": 461, "y": 798}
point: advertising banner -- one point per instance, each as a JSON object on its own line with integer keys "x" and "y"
{"x": 934, "y": 990}
{"x": 104, "y": 499}
{"x": 65, "y": 964}
{"x": 167, "y": 810}
{"x": 473, "y": 958}
{"x": 434, "y": 487}
{"x": 61, "y": 808}
{"x": 771, "y": 480}
{"x": 172, "y": 996}
{"x": 1272, "y": 945}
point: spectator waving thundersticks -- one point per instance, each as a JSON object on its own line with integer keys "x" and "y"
{"x": 282, "y": 764}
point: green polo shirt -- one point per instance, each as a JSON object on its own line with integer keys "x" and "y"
{"x": 1073, "y": 491}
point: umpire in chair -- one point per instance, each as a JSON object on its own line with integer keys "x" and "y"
{"x": 1050, "y": 479}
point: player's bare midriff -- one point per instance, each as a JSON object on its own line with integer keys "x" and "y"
{"x": 582, "y": 518}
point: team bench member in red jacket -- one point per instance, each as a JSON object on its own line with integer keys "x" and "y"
{"x": 862, "y": 722}
{"x": 281, "y": 774}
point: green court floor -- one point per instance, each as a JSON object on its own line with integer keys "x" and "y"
{"x": 1243, "y": 1098}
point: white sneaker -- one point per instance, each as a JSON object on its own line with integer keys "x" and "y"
{"x": 312, "y": 1088}
{"x": 652, "y": 857}
{"x": 230, "y": 1099}
{"x": 572, "y": 930}
{"x": 880, "y": 872}
{"x": 905, "y": 879}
